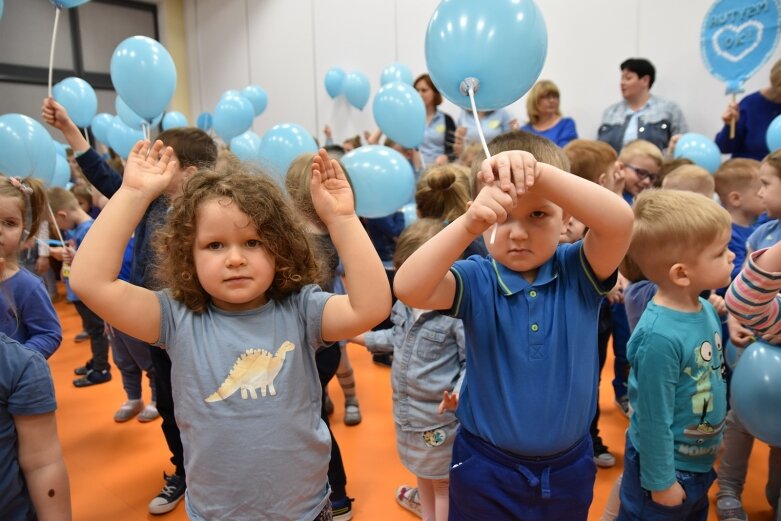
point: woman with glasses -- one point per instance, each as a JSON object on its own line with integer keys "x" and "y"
{"x": 545, "y": 118}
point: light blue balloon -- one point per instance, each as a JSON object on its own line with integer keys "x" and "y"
{"x": 62, "y": 172}
{"x": 68, "y": 4}
{"x": 396, "y": 72}
{"x": 100, "y": 126}
{"x": 173, "y": 120}
{"x": 204, "y": 121}
{"x": 334, "y": 81}
{"x": 400, "y": 113}
{"x": 410, "y": 211}
{"x": 130, "y": 118}
{"x": 144, "y": 75}
{"x": 731, "y": 354}
{"x": 233, "y": 116}
{"x": 258, "y": 97}
{"x": 2, "y": 4}
{"x": 756, "y": 391}
{"x": 26, "y": 148}
{"x": 356, "y": 89}
{"x": 501, "y": 43}
{"x": 60, "y": 148}
{"x": 122, "y": 138}
{"x": 699, "y": 149}
{"x": 382, "y": 180}
{"x": 246, "y": 146}
{"x": 79, "y": 99}
{"x": 283, "y": 143}
{"x": 773, "y": 136}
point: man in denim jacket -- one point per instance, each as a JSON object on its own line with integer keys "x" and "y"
{"x": 640, "y": 115}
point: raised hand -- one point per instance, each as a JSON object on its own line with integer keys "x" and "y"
{"x": 491, "y": 206}
{"x": 515, "y": 171}
{"x": 55, "y": 115}
{"x": 149, "y": 168}
{"x": 332, "y": 196}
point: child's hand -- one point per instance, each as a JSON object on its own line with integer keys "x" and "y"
{"x": 449, "y": 403}
{"x": 149, "y": 169}
{"x": 516, "y": 172}
{"x": 491, "y": 205}
{"x": 739, "y": 335}
{"x": 55, "y": 114}
{"x": 717, "y": 301}
{"x": 671, "y": 497}
{"x": 332, "y": 196}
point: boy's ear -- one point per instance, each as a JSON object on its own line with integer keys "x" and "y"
{"x": 601, "y": 179}
{"x": 733, "y": 198}
{"x": 679, "y": 275}
{"x": 190, "y": 170}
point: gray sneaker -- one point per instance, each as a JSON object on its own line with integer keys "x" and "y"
{"x": 729, "y": 508}
{"x": 352, "y": 413}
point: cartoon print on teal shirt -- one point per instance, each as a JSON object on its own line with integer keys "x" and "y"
{"x": 702, "y": 400}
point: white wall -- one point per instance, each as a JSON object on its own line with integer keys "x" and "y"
{"x": 286, "y": 46}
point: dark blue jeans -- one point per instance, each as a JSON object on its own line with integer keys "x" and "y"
{"x": 620, "y": 339}
{"x": 489, "y": 483}
{"x": 98, "y": 340}
{"x": 636, "y": 502}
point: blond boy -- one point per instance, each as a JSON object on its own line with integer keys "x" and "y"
{"x": 690, "y": 178}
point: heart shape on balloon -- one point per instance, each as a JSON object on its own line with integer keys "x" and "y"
{"x": 736, "y": 33}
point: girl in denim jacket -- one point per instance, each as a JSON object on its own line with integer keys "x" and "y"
{"x": 427, "y": 372}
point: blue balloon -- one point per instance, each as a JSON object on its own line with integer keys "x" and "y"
{"x": 773, "y": 136}
{"x": 233, "y": 116}
{"x": 410, "y": 211}
{"x": 382, "y": 180}
{"x": 122, "y": 138}
{"x": 79, "y": 99}
{"x": 174, "y": 120}
{"x": 334, "y": 81}
{"x": 501, "y": 43}
{"x": 699, "y": 149}
{"x": 204, "y": 121}
{"x": 100, "y": 126}
{"x": 62, "y": 172}
{"x": 130, "y": 118}
{"x": 756, "y": 391}
{"x": 68, "y": 4}
{"x": 400, "y": 113}
{"x": 283, "y": 143}
{"x": 396, "y": 72}
{"x": 246, "y": 146}
{"x": 731, "y": 354}
{"x": 144, "y": 75}
{"x": 26, "y": 148}
{"x": 258, "y": 97}
{"x": 61, "y": 148}
{"x": 357, "y": 90}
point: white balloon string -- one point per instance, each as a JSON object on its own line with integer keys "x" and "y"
{"x": 54, "y": 223}
{"x": 86, "y": 136}
{"x": 482, "y": 141}
{"x": 51, "y": 52}
{"x": 147, "y": 132}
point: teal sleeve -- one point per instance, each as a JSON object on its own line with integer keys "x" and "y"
{"x": 657, "y": 368}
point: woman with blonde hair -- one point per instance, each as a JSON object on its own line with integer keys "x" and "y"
{"x": 545, "y": 118}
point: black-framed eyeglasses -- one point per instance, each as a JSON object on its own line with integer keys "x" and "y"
{"x": 643, "y": 174}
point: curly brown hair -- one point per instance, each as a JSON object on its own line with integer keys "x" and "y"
{"x": 280, "y": 230}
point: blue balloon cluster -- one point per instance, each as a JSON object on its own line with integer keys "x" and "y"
{"x": 79, "y": 99}
{"x": 382, "y": 179}
{"x": 130, "y": 118}
{"x": 258, "y": 97}
{"x": 283, "y": 143}
{"x": 400, "y": 113}
{"x": 233, "y": 115}
{"x": 699, "y": 149}
{"x": 246, "y": 147}
{"x": 26, "y": 148}
{"x": 174, "y": 120}
{"x": 122, "y": 138}
{"x": 144, "y": 75}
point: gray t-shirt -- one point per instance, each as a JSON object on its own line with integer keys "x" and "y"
{"x": 247, "y": 399}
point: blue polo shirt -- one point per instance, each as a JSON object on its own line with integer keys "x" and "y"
{"x": 531, "y": 363}
{"x": 765, "y": 236}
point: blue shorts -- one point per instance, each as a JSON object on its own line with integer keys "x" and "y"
{"x": 489, "y": 483}
{"x": 636, "y": 502}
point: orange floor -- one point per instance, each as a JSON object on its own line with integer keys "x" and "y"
{"x": 116, "y": 468}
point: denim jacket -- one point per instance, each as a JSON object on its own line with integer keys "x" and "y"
{"x": 428, "y": 358}
{"x": 658, "y": 123}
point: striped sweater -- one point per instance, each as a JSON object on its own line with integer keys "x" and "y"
{"x": 753, "y": 298}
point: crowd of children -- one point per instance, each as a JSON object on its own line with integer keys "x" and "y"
{"x": 236, "y": 299}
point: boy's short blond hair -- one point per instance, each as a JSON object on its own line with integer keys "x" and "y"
{"x": 641, "y": 147}
{"x": 691, "y": 178}
{"x": 62, "y": 200}
{"x": 673, "y": 226}
{"x": 414, "y": 236}
{"x": 544, "y": 150}
{"x": 589, "y": 158}
{"x": 735, "y": 175}
{"x": 774, "y": 159}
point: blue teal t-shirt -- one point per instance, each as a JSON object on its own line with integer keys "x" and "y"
{"x": 531, "y": 370}
{"x": 677, "y": 391}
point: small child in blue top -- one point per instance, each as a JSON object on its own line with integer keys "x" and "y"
{"x": 676, "y": 384}
{"x": 26, "y": 311}
{"x": 530, "y": 318}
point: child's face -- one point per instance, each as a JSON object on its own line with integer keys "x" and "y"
{"x": 11, "y": 227}
{"x": 750, "y": 201}
{"x": 572, "y": 230}
{"x": 529, "y": 236}
{"x": 231, "y": 265}
{"x": 713, "y": 265}
{"x": 771, "y": 190}
{"x": 640, "y": 172}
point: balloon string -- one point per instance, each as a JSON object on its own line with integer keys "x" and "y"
{"x": 51, "y": 52}
{"x": 482, "y": 141}
{"x": 86, "y": 136}
{"x": 147, "y": 133}
{"x": 54, "y": 223}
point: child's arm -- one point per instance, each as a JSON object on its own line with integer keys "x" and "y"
{"x": 752, "y": 298}
{"x": 93, "y": 275}
{"x": 41, "y": 462}
{"x": 376, "y": 342}
{"x": 608, "y": 218}
{"x": 368, "y": 297}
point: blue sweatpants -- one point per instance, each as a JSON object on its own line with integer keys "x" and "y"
{"x": 489, "y": 483}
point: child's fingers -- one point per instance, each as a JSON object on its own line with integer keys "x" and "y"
{"x": 140, "y": 147}
{"x": 154, "y": 152}
{"x": 165, "y": 157}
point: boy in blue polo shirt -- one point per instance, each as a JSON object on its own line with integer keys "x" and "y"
{"x": 530, "y": 316}
{"x": 676, "y": 383}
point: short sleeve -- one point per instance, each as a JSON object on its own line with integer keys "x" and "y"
{"x": 167, "y": 322}
{"x": 33, "y": 392}
{"x": 470, "y": 276}
{"x": 311, "y": 303}
{"x": 574, "y": 261}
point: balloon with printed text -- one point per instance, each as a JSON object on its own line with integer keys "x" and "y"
{"x": 26, "y": 148}
{"x": 756, "y": 391}
{"x": 144, "y": 75}
{"x": 400, "y": 113}
{"x": 334, "y": 81}
{"x": 283, "y": 143}
{"x": 79, "y": 99}
{"x": 382, "y": 179}
{"x": 699, "y": 149}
